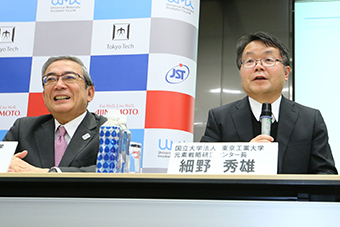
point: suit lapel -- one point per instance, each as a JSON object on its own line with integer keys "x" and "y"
{"x": 44, "y": 138}
{"x": 287, "y": 119}
{"x": 87, "y": 127}
{"x": 242, "y": 120}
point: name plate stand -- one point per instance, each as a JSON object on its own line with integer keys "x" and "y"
{"x": 224, "y": 158}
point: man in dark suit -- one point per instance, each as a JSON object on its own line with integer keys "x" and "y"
{"x": 68, "y": 88}
{"x": 300, "y": 131}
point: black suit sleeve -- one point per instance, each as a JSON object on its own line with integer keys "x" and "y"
{"x": 321, "y": 160}
{"x": 14, "y": 134}
{"x": 212, "y": 132}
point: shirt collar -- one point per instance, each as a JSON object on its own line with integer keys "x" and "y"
{"x": 71, "y": 126}
{"x": 256, "y": 108}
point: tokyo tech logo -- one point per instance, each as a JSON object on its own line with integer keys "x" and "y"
{"x": 62, "y": 2}
{"x": 7, "y": 34}
{"x": 121, "y": 32}
{"x": 177, "y": 74}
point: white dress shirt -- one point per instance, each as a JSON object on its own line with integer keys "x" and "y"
{"x": 70, "y": 127}
{"x": 256, "y": 108}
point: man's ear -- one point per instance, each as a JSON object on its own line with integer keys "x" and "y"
{"x": 90, "y": 93}
{"x": 287, "y": 72}
{"x": 43, "y": 94}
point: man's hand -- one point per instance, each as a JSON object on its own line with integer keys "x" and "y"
{"x": 19, "y": 165}
{"x": 262, "y": 139}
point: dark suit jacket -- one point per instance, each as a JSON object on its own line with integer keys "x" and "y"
{"x": 301, "y": 134}
{"x": 36, "y": 135}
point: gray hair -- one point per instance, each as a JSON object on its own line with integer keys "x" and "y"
{"x": 85, "y": 72}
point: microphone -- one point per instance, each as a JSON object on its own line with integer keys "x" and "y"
{"x": 266, "y": 118}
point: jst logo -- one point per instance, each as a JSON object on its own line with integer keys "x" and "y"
{"x": 177, "y": 74}
{"x": 185, "y": 2}
{"x": 7, "y": 34}
{"x": 167, "y": 145}
{"x": 121, "y": 32}
{"x": 61, "y": 2}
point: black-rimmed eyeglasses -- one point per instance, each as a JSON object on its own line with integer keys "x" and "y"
{"x": 250, "y": 63}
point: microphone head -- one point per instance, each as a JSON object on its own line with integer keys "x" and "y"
{"x": 266, "y": 109}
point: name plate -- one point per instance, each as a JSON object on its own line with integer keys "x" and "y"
{"x": 224, "y": 158}
{"x": 7, "y": 150}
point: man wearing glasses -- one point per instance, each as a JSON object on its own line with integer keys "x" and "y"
{"x": 66, "y": 140}
{"x": 300, "y": 131}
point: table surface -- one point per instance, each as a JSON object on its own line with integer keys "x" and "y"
{"x": 174, "y": 176}
{"x": 172, "y": 186}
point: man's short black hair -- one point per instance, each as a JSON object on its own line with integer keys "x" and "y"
{"x": 267, "y": 39}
